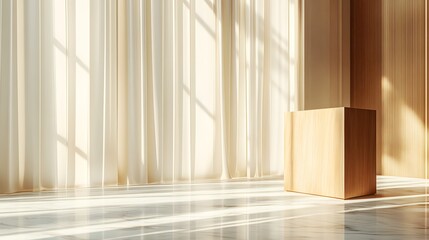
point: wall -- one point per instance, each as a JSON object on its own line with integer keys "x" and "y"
{"x": 326, "y": 53}
{"x": 366, "y": 55}
{"x": 388, "y": 74}
{"x": 370, "y": 54}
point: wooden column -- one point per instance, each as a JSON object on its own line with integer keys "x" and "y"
{"x": 388, "y": 74}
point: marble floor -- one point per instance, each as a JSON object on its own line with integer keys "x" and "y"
{"x": 217, "y": 210}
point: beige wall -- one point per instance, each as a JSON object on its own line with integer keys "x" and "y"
{"x": 403, "y": 88}
{"x": 371, "y": 54}
{"x": 326, "y": 53}
{"x": 388, "y": 74}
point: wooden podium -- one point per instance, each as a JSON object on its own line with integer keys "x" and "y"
{"x": 331, "y": 152}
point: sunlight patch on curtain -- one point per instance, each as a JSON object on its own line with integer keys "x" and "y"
{"x": 98, "y": 93}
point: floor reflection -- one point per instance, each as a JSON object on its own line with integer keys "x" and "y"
{"x": 217, "y": 210}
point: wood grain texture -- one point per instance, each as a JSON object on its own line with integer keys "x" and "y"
{"x": 403, "y": 88}
{"x": 360, "y": 152}
{"x": 326, "y": 53}
{"x": 314, "y": 152}
{"x": 366, "y": 60}
{"x": 328, "y": 152}
{"x": 388, "y": 74}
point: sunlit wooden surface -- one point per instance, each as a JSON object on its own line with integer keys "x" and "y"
{"x": 326, "y": 53}
{"x": 331, "y": 152}
{"x": 388, "y": 74}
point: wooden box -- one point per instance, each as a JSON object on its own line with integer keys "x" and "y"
{"x": 331, "y": 152}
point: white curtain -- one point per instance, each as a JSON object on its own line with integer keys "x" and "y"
{"x": 210, "y": 83}
{"x": 96, "y": 93}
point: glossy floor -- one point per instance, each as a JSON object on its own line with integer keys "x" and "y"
{"x": 219, "y": 210}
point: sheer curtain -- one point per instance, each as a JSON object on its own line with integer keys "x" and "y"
{"x": 210, "y": 83}
{"x": 96, "y": 93}
{"x": 58, "y": 94}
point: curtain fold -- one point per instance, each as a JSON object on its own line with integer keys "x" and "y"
{"x": 215, "y": 77}
{"x": 97, "y": 93}
{"x": 9, "y": 171}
